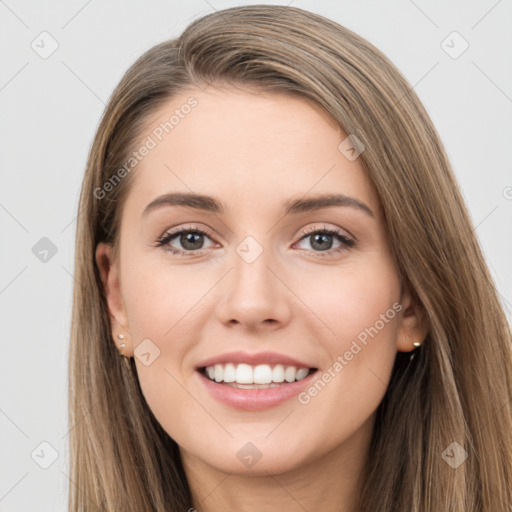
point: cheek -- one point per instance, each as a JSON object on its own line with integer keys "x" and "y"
{"x": 359, "y": 309}
{"x": 347, "y": 301}
{"x": 159, "y": 300}
{"x": 161, "y": 305}
{"x": 363, "y": 312}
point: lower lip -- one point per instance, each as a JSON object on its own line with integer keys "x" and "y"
{"x": 255, "y": 399}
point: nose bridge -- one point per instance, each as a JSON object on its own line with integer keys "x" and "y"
{"x": 252, "y": 261}
{"x": 253, "y": 293}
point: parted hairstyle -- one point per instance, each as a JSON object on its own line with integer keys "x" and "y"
{"x": 457, "y": 389}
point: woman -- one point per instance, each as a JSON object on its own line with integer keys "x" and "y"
{"x": 282, "y": 304}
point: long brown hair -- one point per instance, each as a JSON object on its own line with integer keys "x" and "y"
{"x": 457, "y": 389}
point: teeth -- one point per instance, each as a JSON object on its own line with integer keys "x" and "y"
{"x": 301, "y": 373}
{"x": 262, "y": 374}
{"x": 278, "y": 373}
{"x": 229, "y": 373}
{"x": 244, "y": 374}
{"x": 248, "y": 375}
{"x": 289, "y": 374}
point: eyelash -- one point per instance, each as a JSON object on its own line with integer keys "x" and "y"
{"x": 346, "y": 243}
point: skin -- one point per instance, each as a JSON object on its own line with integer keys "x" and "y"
{"x": 254, "y": 152}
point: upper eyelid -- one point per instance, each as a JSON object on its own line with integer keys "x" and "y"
{"x": 305, "y": 232}
{"x": 324, "y": 227}
{"x": 179, "y": 229}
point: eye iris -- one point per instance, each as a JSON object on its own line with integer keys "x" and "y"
{"x": 195, "y": 239}
{"x": 322, "y": 238}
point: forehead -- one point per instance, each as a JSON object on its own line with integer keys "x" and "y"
{"x": 247, "y": 147}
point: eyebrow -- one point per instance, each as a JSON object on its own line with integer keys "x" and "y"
{"x": 292, "y": 206}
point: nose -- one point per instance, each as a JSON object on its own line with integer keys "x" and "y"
{"x": 254, "y": 294}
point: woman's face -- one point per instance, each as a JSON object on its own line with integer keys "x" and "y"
{"x": 265, "y": 287}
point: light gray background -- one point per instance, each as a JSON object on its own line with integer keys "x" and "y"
{"x": 51, "y": 107}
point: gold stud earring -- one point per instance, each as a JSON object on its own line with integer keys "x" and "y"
{"x": 416, "y": 344}
{"x": 122, "y": 345}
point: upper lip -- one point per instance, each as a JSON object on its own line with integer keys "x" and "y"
{"x": 253, "y": 359}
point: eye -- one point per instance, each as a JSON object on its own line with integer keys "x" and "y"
{"x": 322, "y": 241}
{"x": 191, "y": 240}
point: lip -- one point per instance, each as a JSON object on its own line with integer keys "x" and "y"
{"x": 253, "y": 359}
{"x": 254, "y": 399}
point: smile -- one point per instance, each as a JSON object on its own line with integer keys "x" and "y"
{"x": 260, "y": 376}
{"x": 251, "y": 394}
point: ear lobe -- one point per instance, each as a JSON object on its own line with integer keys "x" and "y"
{"x": 413, "y": 325}
{"x": 109, "y": 272}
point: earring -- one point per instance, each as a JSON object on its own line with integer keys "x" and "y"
{"x": 122, "y": 345}
{"x": 416, "y": 344}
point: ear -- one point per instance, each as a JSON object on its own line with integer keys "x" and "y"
{"x": 110, "y": 276}
{"x": 413, "y": 325}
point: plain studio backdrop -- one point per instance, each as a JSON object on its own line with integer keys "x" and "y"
{"x": 60, "y": 61}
